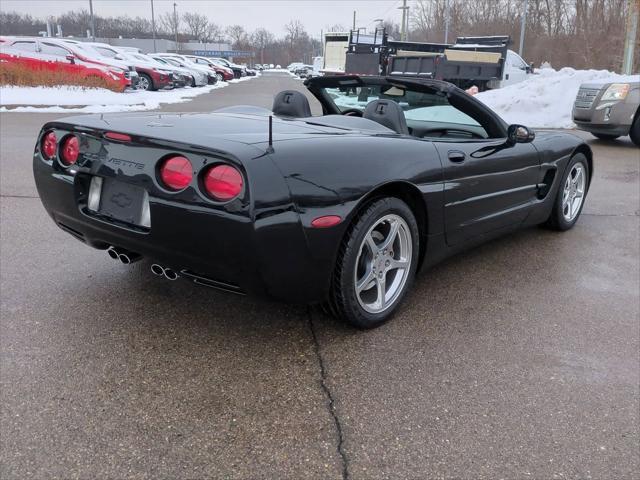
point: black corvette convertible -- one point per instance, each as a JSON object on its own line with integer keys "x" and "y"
{"x": 340, "y": 209}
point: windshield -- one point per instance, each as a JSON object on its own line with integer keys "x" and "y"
{"x": 86, "y": 49}
{"x": 105, "y": 52}
{"x": 171, "y": 61}
{"x": 417, "y": 106}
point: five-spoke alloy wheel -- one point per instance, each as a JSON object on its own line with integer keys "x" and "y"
{"x": 376, "y": 264}
{"x": 383, "y": 263}
{"x": 571, "y": 194}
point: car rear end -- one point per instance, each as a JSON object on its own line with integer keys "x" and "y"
{"x": 140, "y": 195}
{"x": 607, "y": 110}
{"x": 184, "y": 192}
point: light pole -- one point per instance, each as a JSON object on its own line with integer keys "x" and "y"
{"x": 93, "y": 24}
{"x": 447, "y": 19}
{"x": 153, "y": 27}
{"x": 403, "y": 32}
{"x": 175, "y": 23}
{"x": 633, "y": 12}
{"x": 522, "y": 27}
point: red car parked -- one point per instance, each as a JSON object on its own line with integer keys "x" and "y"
{"x": 45, "y": 56}
{"x": 151, "y": 77}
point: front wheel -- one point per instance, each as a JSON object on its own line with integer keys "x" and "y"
{"x": 145, "y": 82}
{"x": 571, "y": 194}
{"x": 376, "y": 264}
{"x": 220, "y": 77}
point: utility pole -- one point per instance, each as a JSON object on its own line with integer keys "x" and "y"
{"x": 447, "y": 19}
{"x": 403, "y": 32}
{"x": 175, "y": 23}
{"x": 354, "y": 20}
{"x": 93, "y": 23}
{"x": 153, "y": 27}
{"x": 522, "y": 27}
{"x": 633, "y": 12}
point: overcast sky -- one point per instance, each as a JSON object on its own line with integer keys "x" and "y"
{"x": 271, "y": 14}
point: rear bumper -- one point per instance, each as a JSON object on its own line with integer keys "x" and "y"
{"x": 268, "y": 257}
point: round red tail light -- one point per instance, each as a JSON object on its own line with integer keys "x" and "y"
{"x": 70, "y": 149}
{"x": 176, "y": 173}
{"x": 49, "y": 145}
{"x": 223, "y": 182}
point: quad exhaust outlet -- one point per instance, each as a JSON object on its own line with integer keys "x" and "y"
{"x": 125, "y": 256}
{"x": 165, "y": 272}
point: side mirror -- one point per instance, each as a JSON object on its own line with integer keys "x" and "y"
{"x": 71, "y": 57}
{"x": 519, "y": 134}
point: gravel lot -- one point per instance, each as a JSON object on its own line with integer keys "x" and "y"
{"x": 519, "y": 359}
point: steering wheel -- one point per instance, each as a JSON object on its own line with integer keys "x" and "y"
{"x": 352, "y": 112}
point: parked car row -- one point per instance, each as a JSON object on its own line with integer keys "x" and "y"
{"x": 119, "y": 67}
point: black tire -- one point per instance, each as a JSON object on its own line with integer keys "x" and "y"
{"x": 148, "y": 81}
{"x": 557, "y": 220}
{"x": 634, "y": 133}
{"x": 343, "y": 301}
{"x": 193, "y": 81}
{"x": 605, "y": 136}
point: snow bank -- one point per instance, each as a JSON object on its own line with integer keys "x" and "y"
{"x": 281, "y": 70}
{"x": 546, "y": 99}
{"x": 95, "y": 100}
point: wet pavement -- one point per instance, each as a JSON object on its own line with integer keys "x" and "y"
{"x": 519, "y": 359}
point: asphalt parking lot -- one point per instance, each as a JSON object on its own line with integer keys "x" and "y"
{"x": 519, "y": 359}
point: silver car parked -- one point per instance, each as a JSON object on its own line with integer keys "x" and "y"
{"x": 609, "y": 110}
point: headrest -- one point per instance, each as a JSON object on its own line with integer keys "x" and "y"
{"x": 387, "y": 113}
{"x": 291, "y": 103}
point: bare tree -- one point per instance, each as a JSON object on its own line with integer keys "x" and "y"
{"x": 337, "y": 27}
{"x": 260, "y": 39}
{"x": 238, "y": 35}
{"x": 197, "y": 24}
{"x": 213, "y": 33}
{"x": 169, "y": 23}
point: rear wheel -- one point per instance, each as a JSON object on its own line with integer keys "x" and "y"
{"x": 145, "y": 82}
{"x": 605, "y": 136}
{"x": 634, "y": 133}
{"x": 571, "y": 194}
{"x": 376, "y": 264}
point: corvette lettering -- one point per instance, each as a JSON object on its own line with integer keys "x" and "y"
{"x": 126, "y": 163}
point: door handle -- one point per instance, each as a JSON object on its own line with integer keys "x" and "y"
{"x": 456, "y": 156}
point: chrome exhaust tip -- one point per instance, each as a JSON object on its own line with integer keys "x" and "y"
{"x": 170, "y": 274}
{"x": 113, "y": 253}
{"x": 124, "y": 258}
{"x": 157, "y": 269}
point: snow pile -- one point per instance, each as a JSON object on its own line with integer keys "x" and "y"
{"x": 96, "y": 100}
{"x": 546, "y": 99}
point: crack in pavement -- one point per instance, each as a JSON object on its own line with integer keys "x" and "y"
{"x": 329, "y": 395}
